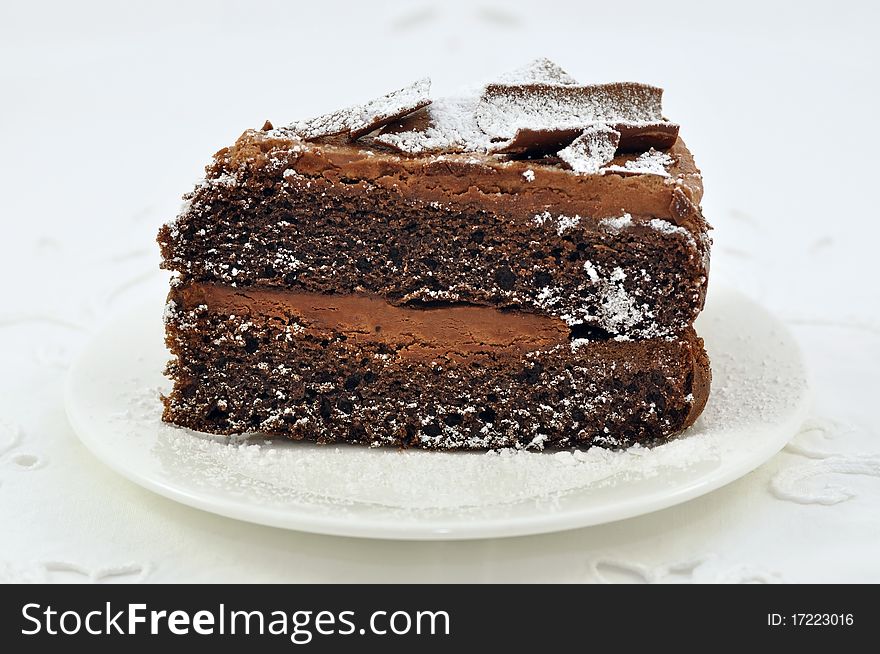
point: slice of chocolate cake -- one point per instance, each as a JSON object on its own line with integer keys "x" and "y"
{"x": 520, "y": 268}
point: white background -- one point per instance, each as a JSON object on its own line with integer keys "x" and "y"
{"x": 108, "y": 112}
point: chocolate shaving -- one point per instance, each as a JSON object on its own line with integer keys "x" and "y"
{"x": 594, "y": 148}
{"x": 633, "y": 138}
{"x": 537, "y": 111}
{"x": 363, "y": 119}
{"x": 449, "y": 124}
{"x": 505, "y": 109}
{"x": 267, "y": 126}
{"x": 536, "y": 142}
{"x": 417, "y": 121}
{"x": 638, "y": 138}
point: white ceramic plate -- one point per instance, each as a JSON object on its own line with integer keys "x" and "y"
{"x": 759, "y": 399}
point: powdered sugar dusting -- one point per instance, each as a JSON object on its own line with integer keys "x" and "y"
{"x": 618, "y": 311}
{"x": 625, "y": 221}
{"x": 592, "y": 273}
{"x": 618, "y": 223}
{"x": 452, "y": 128}
{"x": 539, "y": 71}
{"x": 563, "y": 223}
{"x": 652, "y": 162}
{"x": 281, "y": 473}
{"x": 666, "y": 227}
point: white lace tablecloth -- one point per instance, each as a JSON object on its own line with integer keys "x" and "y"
{"x": 109, "y": 110}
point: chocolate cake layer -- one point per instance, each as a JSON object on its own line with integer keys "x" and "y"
{"x": 620, "y": 254}
{"x": 316, "y": 368}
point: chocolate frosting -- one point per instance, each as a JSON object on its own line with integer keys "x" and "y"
{"x": 412, "y": 332}
{"x": 479, "y": 182}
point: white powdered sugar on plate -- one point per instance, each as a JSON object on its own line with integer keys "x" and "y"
{"x": 279, "y": 472}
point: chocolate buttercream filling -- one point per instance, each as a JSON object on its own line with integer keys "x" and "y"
{"x": 461, "y": 330}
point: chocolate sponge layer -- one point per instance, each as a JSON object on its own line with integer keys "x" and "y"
{"x": 285, "y": 364}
